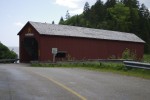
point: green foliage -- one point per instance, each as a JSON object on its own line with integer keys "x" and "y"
{"x": 97, "y": 65}
{"x": 131, "y": 3}
{"x": 144, "y": 22}
{"x": 118, "y": 68}
{"x": 146, "y": 58}
{"x": 5, "y": 53}
{"x": 67, "y": 15}
{"x": 86, "y": 7}
{"x": 61, "y": 20}
{"x": 110, "y": 3}
{"x": 123, "y": 15}
{"x": 128, "y": 55}
{"x": 119, "y": 17}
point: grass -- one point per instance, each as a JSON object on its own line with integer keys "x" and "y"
{"x": 146, "y": 58}
{"x": 118, "y": 68}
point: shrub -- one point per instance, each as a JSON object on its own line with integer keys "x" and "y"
{"x": 5, "y": 53}
{"x": 128, "y": 55}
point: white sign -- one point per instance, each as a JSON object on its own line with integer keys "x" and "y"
{"x": 29, "y": 34}
{"x": 54, "y": 51}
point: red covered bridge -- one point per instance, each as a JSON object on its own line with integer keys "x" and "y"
{"x": 36, "y": 41}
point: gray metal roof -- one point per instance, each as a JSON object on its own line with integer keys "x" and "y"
{"x": 73, "y": 31}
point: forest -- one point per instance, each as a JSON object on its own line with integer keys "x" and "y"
{"x": 117, "y": 15}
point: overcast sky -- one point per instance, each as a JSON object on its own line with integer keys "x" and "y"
{"x": 14, "y": 14}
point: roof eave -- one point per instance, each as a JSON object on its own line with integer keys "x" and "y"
{"x": 22, "y": 28}
{"x": 95, "y": 38}
{"x": 29, "y": 22}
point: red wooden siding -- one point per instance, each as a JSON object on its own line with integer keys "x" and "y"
{"x": 82, "y": 48}
{"x": 24, "y": 56}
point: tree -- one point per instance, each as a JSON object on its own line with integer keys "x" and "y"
{"x": 86, "y": 7}
{"x": 144, "y": 26}
{"x": 110, "y": 3}
{"x": 86, "y": 11}
{"x": 61, "y": 20}
{"x": 100, "y": 11}
{"x": 144, "y": 12}
{"x": 5, "y": 53}
{"x": 134, "y": 19}
{"x": 53, "y": 22}
{"x": 131, "y": 3}
{"x": 77, "y": 23}
{"x": 134, "y": 14}
{"x": 67, "y": 15}
{"x": 119, "y": 17}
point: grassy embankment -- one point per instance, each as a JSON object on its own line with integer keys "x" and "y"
{"x": 118, "y": 68}
{"x": 146, "y": 58}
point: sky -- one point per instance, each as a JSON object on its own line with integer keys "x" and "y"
{"x": 14, "y": 14}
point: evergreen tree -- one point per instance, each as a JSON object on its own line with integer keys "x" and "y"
{"x": 67, "y": 15}
{"x": 134, "y": 14}
{"x": 61, "y": 20}
{"x": 134, "y": 19}
{"x": 100, "y": 11}
{"x": 110, "y": 3}
{"x": 86, "y": 7}
{"x": 97, "y": 13}
{"x": 145, "y": 26}
{"x": 86, "y": 11}
{"x": 53, "y": 22}
{"x": 144, "y": 12}
{"x": 131, "y": 3}
{"x": 77, "y": 21}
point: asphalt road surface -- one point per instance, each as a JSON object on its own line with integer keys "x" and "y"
{"x": 22, "y": 82}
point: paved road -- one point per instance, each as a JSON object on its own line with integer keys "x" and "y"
{"x": 21, "y": 82}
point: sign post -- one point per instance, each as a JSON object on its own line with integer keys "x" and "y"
{"x": 54, "y": 52}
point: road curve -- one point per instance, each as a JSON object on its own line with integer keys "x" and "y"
{"x": 22, "y": 82}
{"x": 17, "y": 83}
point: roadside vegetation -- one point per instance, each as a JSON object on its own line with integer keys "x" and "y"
{"x": 118, "y": 68}
{"x": 112, "y": 67}
{"x": 146, "y": 58}
{"x": 5, "y": 53}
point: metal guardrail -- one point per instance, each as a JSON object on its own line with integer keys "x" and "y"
{"x": 8, "y": 60}
{"x": 134, "y": 64}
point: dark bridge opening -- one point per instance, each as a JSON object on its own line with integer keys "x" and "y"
{"x": 61, "y": 54}
{"x": 31, "y": 46}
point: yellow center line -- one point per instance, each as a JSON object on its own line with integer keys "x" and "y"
{"x": 61, "y": 85}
